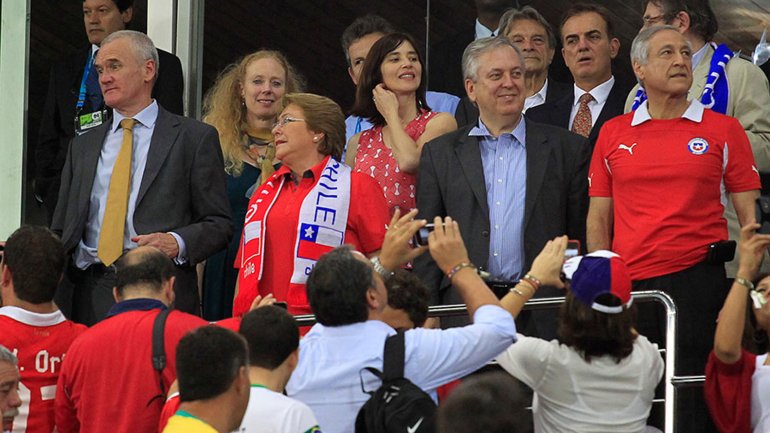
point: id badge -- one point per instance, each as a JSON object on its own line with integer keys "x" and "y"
{"x": 85, "y": 122}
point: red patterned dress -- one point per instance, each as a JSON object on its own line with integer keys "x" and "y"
{"x": 376, "y": 159}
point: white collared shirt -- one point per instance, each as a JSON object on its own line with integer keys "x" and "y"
{"x": 600, "y": 94}
{"x": 483, "y": 32}
{"x": 694, "y": 112}
{"x": 536, "y": 99}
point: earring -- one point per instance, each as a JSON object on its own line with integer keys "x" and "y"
{"x": 315, "y": 138}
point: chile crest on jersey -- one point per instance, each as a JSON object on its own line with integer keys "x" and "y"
{"x": 698, "y": 146}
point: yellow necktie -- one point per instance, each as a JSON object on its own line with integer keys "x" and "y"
{"x": 113, "y": 226}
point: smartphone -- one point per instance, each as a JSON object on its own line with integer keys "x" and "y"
{"x": 573, "y": 249}
{"x": 421, "y": 237}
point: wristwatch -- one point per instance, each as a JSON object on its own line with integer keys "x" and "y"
{"x": 384, "y": 273}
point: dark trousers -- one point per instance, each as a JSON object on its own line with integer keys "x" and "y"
{"x": 698, "y": 292}
{"x": 85, "y": 295}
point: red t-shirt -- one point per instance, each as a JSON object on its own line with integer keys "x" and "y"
{"x": 667, "y": 180}
{"x": 108, "y": 383}
{"x": 728, "y": 392}
{"x": 366, "y": 227}
{"x": 40, "y": 342}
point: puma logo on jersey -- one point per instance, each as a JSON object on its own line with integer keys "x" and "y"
{"x": 630, "y": 149}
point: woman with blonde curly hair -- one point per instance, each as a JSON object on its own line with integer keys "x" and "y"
{"x": 243, "y": 105}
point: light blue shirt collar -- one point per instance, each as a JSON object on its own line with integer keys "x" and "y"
{"x": 519, "y": 131}
{"x": 146, "y": 117}
{"x": 483, "y": 32}
{"x": 698, "y": 56}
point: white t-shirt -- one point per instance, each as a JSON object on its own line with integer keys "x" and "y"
{"x": 576, "y": 396}
{"x": 271, "y": 412}
{"x": 760, "y": 406}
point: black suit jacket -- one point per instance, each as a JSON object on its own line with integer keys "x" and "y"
{"x": 557, "y": 112}
{"x": 451, "y": 182}
{"x": 57, "y": 123}
{"x": 182, "y": 190}
{"x": 467, "y": 112}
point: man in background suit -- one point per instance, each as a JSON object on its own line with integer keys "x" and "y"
{"x": 72, "y": 76}
{"x": 169, "y": 195}
{"x": 511, "y": 184}
{"x": 529, "y": 31}
{"x": 444, "y": 73}
{"x": 589, "y": 45}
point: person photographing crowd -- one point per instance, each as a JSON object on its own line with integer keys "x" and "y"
{"x": 737, "y": 372}
{"x": 600, "y": 361}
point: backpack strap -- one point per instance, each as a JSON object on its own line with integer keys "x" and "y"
{"x": 158, "y": 346}
{"x": 393, "y": 358}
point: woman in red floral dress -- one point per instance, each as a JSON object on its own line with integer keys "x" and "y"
{"x": 391, "y": 95}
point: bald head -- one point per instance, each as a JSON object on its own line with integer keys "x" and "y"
{"x": 144, "y": 269}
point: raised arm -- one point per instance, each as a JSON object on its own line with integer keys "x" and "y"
{"x": 405, "y": 150}
{"x": 449, "y": 253}
{"x": 546, "y": 269}
{"x": 727, "y": 340}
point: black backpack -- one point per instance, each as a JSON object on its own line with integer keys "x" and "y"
{"x": 398, "y": 405}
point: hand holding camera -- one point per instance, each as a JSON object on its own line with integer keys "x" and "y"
{"x": 446, "y": 244}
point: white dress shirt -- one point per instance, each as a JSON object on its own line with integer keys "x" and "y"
{"x": 600, "y": 94}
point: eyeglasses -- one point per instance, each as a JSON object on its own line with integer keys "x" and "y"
{"x": 648, "y": 21}
{"x": 282, "y": 122}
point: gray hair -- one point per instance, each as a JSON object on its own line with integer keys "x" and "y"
{"x": 527, "y": 13}
{"x": 478, "y": 48}
{"x": 142, "y": 45}
{"x": 640, "y": 47}
{"x": 7, "y": 356}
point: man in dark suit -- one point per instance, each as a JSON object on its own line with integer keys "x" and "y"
{"x": 532, "y": 33}
{"x": 147, "y": 177}
{"x": 73, "y": 91}
{"x": 510, "y": 183}
{"x": 589, "y": 45}
{"x": 444, "y": 74}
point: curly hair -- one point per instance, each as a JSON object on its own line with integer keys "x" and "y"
{"x": 224, "y": 109}
{"x": 407, "y": 292}
{"x": 592, "y": 333}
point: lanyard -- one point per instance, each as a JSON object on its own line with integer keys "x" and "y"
{"x": 86, "y": 71}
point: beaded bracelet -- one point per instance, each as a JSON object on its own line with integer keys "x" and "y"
{"x": 457, "y": 269}
{"x": 534, "y": 282}
{"x": 520, "y": 293}
{"x": 527, "y": 282}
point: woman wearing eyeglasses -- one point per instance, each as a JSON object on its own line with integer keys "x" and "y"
{"x": 391, "y": 95}
{"x": 242, "y": 105}
{"x": 309, "y": 206}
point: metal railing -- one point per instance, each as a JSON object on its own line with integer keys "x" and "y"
{"x": 669, "y": 353}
